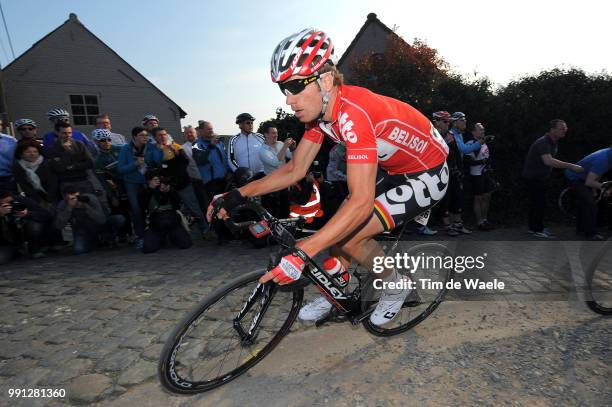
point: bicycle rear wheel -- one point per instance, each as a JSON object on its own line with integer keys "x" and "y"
{"x": 599, "y": 282}
{"x": 209, "y": 347}
{"x": 422, "y": 301}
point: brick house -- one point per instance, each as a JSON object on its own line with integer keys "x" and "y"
{"x": 74, "y": 69}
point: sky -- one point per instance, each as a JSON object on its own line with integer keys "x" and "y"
{"x": 212, "y": 57}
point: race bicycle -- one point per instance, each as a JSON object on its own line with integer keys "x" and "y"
{"x": 242, "y": 321}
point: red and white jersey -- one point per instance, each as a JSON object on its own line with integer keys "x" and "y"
{"x": 383, "y": 130}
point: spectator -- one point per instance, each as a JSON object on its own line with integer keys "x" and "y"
{"x": 8, "y": 145}
{"x": 27, "y": 129}
{"x": 133, "y": 167}
{"x": 103, "y": 122}
{"x": 161, "y": 205}
{"x": 150, "y": 122}
{"x": 450, "y": 203}
{"x": 481, "y": 188}
{"x": 25, "y": 222}
{"x": 57, "y": 116}
{"x": 106, "y": 166}
{"x": 211, "y": 159}
{"x": 173, "y": 161}
{"x": 192, "y": 169}
{"x": 34, "y": 175}
{"x": 70, "y": 160}
{"x": 457, "y": 149}
{"x": 274, "y": 153}
{"x": 583, "y": 186}
{"x": 336, "y": 171}
{"x": 243, "y": 150}
{"x": 90, "y": 223}
{"x": 537, "y": 169}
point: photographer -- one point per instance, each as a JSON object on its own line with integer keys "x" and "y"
{"x": 24, "y": 222}
{"x": 111, "y": 179}
{"x": 90, "y": 223}
{"x": 173, "y": 162}
{"x": 161, "y": 204}
{"x": 132, "y": 166}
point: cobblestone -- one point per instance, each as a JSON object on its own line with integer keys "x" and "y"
{"x": 96, "y": 324}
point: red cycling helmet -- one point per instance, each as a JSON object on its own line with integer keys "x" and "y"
{"x": 302, "y": 53}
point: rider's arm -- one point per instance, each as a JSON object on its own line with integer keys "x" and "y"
{"x": 286, "y": 175}
{"x": 354, "y": 211}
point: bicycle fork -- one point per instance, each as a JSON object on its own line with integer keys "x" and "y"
{"x": 262, "y": 293}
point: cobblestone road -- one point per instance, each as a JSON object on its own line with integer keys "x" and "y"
{"x": 95, "y": 324}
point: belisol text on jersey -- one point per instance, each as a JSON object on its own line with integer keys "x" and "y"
{"x": 412, "y": 141}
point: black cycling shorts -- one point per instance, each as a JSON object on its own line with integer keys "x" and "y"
{"x": 403, "y": 197}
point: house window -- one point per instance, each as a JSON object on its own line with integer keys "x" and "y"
{"x": 84, "y": 109}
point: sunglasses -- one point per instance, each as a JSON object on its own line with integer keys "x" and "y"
{"x": 297, "y": 85}
{"x": 26, "y": 128}
{"x": 103, "y": 140}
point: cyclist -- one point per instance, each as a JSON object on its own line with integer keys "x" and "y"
{"x": 585, "y": 185}
{"x": 60, "y": 115}
{"x": 396, "y": 164}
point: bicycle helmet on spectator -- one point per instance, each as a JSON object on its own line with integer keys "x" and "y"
{"x": 441, "y": 115}
{"x": 244, "y": 117}
{"x": 25, "y": 122}
{"x": 148, "y": 118}
{"x": 458, "y": 116}
{"x": 100, "y": 134}
{"x": 58, "y": 113}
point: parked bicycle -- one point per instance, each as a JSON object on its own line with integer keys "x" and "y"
{"x": 566, "y": 201}
{"x": 241, "y": 322}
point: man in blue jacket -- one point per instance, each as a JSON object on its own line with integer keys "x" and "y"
{"x": 583, "y": 185}
{"x": 211, "y": 158}
{"x": 131, "y": 164}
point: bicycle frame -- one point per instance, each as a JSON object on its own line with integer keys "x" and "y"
{"x": 348, "y": 305}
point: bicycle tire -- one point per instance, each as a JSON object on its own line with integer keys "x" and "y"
{"x": 429, "y": 306}
{"x": 168, "y": 367}
{"x": 599, "y": 279}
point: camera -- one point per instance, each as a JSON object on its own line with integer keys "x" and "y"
{"x": 17, "y": 206}
{"x": 83, "y": 199}
{"x": 165, "y": 180}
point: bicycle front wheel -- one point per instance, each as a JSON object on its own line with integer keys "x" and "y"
{"x": 230, "y": 331}
{"x": 422, "y": 301}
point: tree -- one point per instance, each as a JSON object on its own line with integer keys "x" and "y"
{"x": 408, "y": 72}
{"x": 287, "y": 125}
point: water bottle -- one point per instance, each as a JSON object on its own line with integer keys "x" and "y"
{"x": 334, "y": 267}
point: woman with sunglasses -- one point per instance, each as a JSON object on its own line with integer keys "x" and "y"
{"x": 396, "y": 166}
